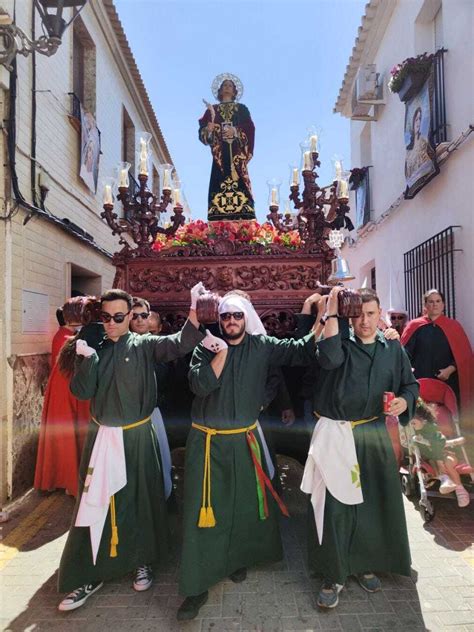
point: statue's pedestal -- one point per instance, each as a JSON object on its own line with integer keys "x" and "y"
{"x": 277, "y": 279}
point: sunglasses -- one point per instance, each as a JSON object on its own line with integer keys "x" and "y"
{"x": 228, "y": 315}
{"x": 143, "y": 315}
{"x": 397, "y": 317}
{"x": 105, "y": 317}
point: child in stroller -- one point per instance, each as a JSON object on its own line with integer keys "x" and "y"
{"x": 434, "y": 447}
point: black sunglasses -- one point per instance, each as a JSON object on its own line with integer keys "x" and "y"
{"x": 105, "y": 317}
{"x": 143, "y": 315}
{"x": 228, "y": 315}
{"x": 393, "y": 317}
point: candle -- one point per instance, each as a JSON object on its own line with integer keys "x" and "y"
{"x": 108, "y": 199}
{"x": 143, "y": 166}
{"x": 123, "y": 179}
{"x": 176, "y": 197}
{"x": 308, "y": 161}
{"x": 313, "y": 143}
{"x": 296, "y": 178}
{"x": 342, "y": 189}
{"x": 166, "y": 180}
{"x": 274, "y": 196}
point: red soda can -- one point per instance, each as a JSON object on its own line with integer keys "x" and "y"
{"x": 388, "y": 397}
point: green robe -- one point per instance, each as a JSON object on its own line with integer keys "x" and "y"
{"x": 120, "y": 381}
{"x": 371, "y": 536}
{"x": 233, "y": 400}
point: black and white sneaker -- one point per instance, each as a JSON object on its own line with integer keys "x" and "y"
{"x": 78, "y": 597}
{"x": 143, "y": 578}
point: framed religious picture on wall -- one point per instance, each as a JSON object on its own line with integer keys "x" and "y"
{"x": 420, "y": 160}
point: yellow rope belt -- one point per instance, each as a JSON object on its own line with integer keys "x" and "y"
{"x": 114, "y": 540}
{"x": 206, "y": 515}
{"x": 357, "y": 422}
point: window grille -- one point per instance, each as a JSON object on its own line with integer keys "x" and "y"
{"x": 431, "y": 265}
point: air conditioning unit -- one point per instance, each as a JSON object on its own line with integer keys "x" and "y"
{"x": 369, "y": 85}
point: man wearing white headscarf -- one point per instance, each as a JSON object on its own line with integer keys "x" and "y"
{"x": 230, "y": 507}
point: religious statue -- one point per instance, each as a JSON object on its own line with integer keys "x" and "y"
{"x": 229, "y": 130}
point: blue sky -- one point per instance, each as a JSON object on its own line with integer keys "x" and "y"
{"x": 290, "y": 55}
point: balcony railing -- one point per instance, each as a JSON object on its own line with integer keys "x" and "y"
{"x": 439, "y": 124}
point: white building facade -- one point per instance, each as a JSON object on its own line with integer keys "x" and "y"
{"x": 405, "y": 247}
{"x": 53, "y": 242}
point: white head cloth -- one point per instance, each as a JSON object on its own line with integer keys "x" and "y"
{"x": 236, "y": 303}
{"x": 219, "y": 80}
{"x": 392, "y": 310}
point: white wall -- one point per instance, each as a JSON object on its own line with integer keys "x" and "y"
{"x": 448, "y": 198}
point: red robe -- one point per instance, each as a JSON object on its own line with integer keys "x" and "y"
{"x": 63, "y": 428}
{"x": 460, "y": 347}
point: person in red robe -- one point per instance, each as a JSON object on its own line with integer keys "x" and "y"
{"x": 64, "y": 418}
{"x": 439, "y": 348}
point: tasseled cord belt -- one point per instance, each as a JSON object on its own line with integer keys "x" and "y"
{"x": 206, "y": 514}
{"x": 114, "y": 540}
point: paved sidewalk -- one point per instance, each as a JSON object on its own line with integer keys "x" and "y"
{"x": 277, "y": 598}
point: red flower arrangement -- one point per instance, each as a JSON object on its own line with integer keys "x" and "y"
{"x": 250, "y": 232}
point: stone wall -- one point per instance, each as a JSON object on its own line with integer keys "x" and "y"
{"x": 30, "y": 375}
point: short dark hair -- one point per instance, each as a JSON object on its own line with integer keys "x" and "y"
{"x": 433, "y": 290}
{"x": 424, "y": 412}
{"x": 116, "y": 295}
{"x": 140, "y": 302}
{"x": 368, "y": 295}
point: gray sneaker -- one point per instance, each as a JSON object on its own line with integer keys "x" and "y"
{"x": 369, "y": 582}
{"x": 329, "y": 594}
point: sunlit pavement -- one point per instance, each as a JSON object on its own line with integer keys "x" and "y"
{"x": 276, "y": 598}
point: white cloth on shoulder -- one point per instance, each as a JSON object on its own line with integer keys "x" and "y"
{"x": 106, "y": 475}
{"x": 331, "y": 464}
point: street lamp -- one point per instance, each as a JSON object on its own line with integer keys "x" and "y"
{"x": 14, "y": 40}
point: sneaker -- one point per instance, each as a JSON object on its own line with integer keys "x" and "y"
{"x": 143, "y": 578}
{"x": 78, "y": 597}
{"x": 240, "y": 575}
{"x": 462, "y": 495}
{"x": 190, "y": 607}
{"x": 329, "y": 595}
{"x": 447, "y": 485}
{"x": 369, "y": 582}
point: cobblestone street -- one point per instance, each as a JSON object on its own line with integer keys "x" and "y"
{"x": 276, "y": 598}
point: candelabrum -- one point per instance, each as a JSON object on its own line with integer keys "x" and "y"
{"x": 141, "y": 213}
{"x": 319, "y": 209}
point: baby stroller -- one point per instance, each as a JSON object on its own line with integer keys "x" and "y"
{"x": 419, "y": 474}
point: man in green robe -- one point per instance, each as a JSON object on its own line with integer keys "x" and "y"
{"x": 230, "y": 523}
{"x": 355, "y": 371}
{"x": 119, "y": 379}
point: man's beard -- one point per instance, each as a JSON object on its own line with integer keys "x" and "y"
{"x": 229, "y": 336}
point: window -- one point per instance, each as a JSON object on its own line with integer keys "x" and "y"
{"x": 431, "y": 265}
{"x": 84, "y": 67}
{"x": 373, "y": 281}
{"x": 128, "y": 140}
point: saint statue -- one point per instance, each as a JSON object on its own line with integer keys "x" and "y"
{"x": 229, "y": 131}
